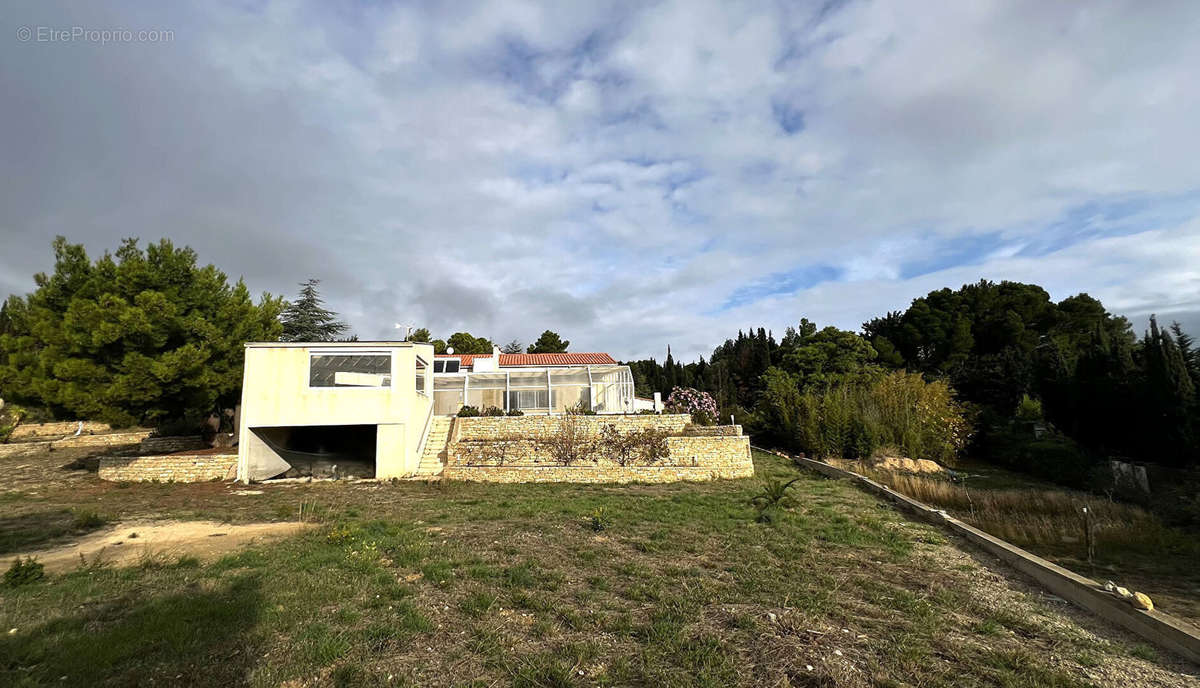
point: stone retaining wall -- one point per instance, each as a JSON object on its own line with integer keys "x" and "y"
{"x": 499, "y": 427}
{"x": 712, "y": 430}
{"x": 591, "y": 473}
{"x": 28, "y": 431}
{"x": 180, "y": 468}
{"x": 172, "y": 444}
{"x": 114, "y": 439}
{"x": 513, "y": 452}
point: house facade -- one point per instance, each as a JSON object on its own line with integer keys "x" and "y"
{"x": 532, "y": 383}
{"x": 369, "y": 409}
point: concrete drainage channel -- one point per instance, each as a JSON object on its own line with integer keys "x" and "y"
{"x": 1161, "y": 629}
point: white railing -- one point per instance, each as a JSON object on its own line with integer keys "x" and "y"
{"x": 425, "y": 433}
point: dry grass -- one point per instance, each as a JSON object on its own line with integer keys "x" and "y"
{"x": 1038, "y": 517}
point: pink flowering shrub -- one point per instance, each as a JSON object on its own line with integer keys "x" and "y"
{"x": 701, "y": 406}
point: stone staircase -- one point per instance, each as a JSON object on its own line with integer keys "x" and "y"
{"x": 433, "y": 457}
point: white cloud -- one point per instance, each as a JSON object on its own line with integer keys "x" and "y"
{"x": 623, "y": 161}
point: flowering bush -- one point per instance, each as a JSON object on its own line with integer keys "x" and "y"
{"x": 701, "y": 406}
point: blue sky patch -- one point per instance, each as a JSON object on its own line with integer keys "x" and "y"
{"x": 781, "y": 284}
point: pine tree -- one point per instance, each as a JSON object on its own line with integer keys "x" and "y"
{"x": 549, "y": 343}
{"x": 1187, "y": 348}
{"x": 306, "y": 320}
{"x": 139, "y": 336}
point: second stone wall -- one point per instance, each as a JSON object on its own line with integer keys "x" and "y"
{"x": 179, "y": 468}
{"x": 115, "y": 439}
{"x": 26, "y": 431}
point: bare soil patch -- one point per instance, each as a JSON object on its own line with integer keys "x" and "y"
{"x": 133, "y": 542}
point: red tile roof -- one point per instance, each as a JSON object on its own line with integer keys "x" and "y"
{"x": 465, "y": 359}
{"x": 507, "y": 360}
{"x": 517, "y": 360}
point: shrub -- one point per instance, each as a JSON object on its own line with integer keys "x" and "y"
{"x": 626, "y": 449}
{"x": 515, "y": 412}
{"x": 88, "y": 520}
{"x": 488, "y": 452}
{"x": 492, "y": 412}
{"x": 583, "y": 408}
{"x": 700, "y": 405}
{"x": 468, "y": 412}
{"x": 899, "y": 409}
{"x": 23, "y": 572}
{"x": 571, "y": 443}
{"x": 10, "y": 417}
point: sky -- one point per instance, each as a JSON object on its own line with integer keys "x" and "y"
{"x": 630, "y": 175}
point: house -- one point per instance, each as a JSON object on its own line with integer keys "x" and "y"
{"x": 369, "y": 409}
{"x": 531, "y": 383}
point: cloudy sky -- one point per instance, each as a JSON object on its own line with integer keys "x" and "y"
{"x": 631, "y": 175}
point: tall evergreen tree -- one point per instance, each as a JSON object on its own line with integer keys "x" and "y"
{"x": 549, "y": 343}
{"x": 307, "y": 320}
{"x": 141, "y": 336}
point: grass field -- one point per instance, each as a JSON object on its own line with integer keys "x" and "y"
{"x": 513, "y": 585}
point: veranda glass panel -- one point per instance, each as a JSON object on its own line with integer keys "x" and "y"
{"x": 350, "y": 370}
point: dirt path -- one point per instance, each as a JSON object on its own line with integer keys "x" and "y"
{"x": 133, "y": 541}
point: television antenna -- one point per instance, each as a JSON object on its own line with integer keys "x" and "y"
{"x": 408, "y": 330}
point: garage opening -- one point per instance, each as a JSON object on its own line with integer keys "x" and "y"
{"x": 317, "y": 451}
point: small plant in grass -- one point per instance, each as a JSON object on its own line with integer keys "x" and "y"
{"x": 767, "y": 501}
{"x": 1144, "y": 652}
{"x": 600, "y": 520}
{"x": 477, "y": 603}
{"x": 87, "y": 520}
{"x": 23, "y": 572}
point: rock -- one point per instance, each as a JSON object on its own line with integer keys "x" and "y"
{"x": 1142, "y": 601}
{"x": 1110, "y": 587}
{"x": 904, "y": 464}
{"x": 1123, "y": 593}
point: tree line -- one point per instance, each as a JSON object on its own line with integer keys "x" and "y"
{"x": 465, "y": 343}
{"x": 146, "y": 335}
{"x": 1047, "y": 387}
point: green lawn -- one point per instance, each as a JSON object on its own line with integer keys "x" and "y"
{"x": 498, "y": 585}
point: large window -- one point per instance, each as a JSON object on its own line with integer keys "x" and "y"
{"x": 365, "y": 369}
{"x": 447, "y": 366}
{"x": 529, "y": 399}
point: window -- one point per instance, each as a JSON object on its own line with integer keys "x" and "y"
{"x": 446, "y": 366}
{"x": 366, "y": 369}
{"x": 529, "y": 399}
{"x": 420, "y": 375}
